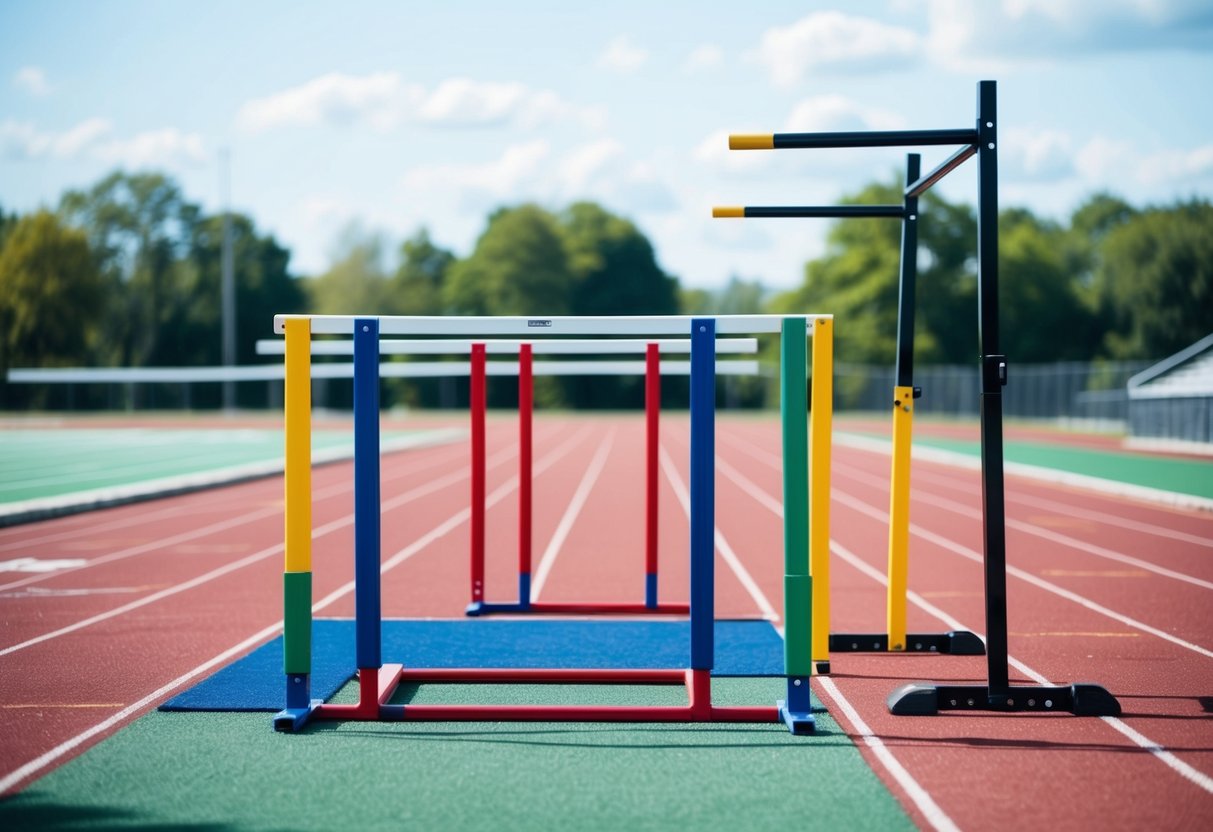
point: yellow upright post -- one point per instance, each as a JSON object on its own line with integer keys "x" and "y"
{"x": 899, "y": 516}
{"x": 298, "y": 463}
{"x": 821, "y": 417}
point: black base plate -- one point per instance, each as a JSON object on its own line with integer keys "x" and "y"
{"x": 953, "y": 643}
{"x": 925, "y": 699}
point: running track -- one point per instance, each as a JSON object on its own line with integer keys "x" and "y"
{"x": 1101, "y": 589}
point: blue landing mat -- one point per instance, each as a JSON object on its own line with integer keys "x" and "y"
{"x": 256, "y": 682}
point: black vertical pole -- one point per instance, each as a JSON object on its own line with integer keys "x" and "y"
{"x": 993, "y": 377}
{"x": 909, "y": 277}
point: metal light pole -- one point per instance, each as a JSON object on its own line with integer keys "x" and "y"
{"x": 228, "y": 284}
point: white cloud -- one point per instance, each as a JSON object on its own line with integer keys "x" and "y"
{"x": 1177, "y": 166}
{"x": 995, "y": 35}
{"x": 511, "y": 176}
{"x": 600, "y": 170}
{"x": 379, "y": 98}
{"x": 94, "y": 139}
{"x": 168, "y": 147}
{"x": 1038, "y": 154}
{"x": 704, "y": 57}
{"x": 32, "y": 79}
{"x": 836, "y": 112}
{"x": 460, "y": 101}
{"x": 621, "y": 55}
{"x": 384, "y": 101}
{"x": 582, "y": 165}
{"x": 834, "y": 40}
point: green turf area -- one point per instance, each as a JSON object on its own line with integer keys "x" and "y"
{"x": 1186, "y": 476}
{"x": 49, "y": 463}
{"x": 231, "y": 771}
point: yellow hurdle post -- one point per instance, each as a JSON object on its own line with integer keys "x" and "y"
{"x": 820, "y": 435}
{"x": 298, "y": 463}
{"x": 899, "y": 517}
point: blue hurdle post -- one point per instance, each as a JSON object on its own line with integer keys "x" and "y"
{"x": 703, "y": 491}
{"x": 367, "y": 601}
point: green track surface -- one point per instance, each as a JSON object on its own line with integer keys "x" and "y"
{"x": 1186, "y": 476}
{"x": 51, "y": 463}
{"x": 212, "y": 771}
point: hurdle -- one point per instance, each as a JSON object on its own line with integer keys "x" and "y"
{"x": 895, "y": 638}
{"x": 377, "y": 681}
{"x": 981, "y": 141}
{"x": 478, "y": 368}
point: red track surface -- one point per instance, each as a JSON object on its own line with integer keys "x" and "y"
{"x": 1102, "y": 589}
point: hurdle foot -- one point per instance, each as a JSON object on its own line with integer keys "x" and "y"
{"x": 1092, "y": 700}
{"x": 952, "y": 643}
{"x": 823, "y": 668}
{"x": 290, "y": 720}
{"x": 964, "y": 643}
{"x": 914, "y": 699}
{"x": 800, "y": 723}
{"x": 474, "y": 609}
{"x": 1080, "y": 699}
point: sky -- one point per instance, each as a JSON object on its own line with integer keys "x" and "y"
{"x": 392, "y": 116}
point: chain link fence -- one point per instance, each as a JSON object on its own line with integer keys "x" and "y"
{"x": 1077, "y": 391}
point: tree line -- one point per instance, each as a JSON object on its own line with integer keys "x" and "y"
{"x": 127, "y": 273}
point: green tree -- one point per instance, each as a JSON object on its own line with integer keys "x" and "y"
{"x": 356, "y": 283}
{"x": 1154, "y": 280}
{"x": 856, "y": 280}
{"x": 50, "y": 294}
{"x": 520, "y": 266}
{"x": 7, "y": 221}
{"x": 417, "y": 286}
{"x": 264, "y": 288}
{"x": 140, "y": 226}
{"x": 614, "y": 267}
{"x": 1043, "y": 314}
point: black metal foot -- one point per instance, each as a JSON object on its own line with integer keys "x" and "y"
{"x": 953, "y": 643}
{"x": 823, "y": 668}
{"x": 1081, "y": 699}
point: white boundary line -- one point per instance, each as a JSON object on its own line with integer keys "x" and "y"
{"x": 1033, "y": 472}
{"x": 1185, "y": 770}
{"x": 44, "y": 507}
{"x": 37, "y": 764}
{"x": 1029, "y": 528}
{"x": 571, "y": 512}
{"x": 922, "y": 800}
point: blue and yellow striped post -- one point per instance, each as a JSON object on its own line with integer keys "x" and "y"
{"x": 821, "y": 418}
{"x": 297, "y": 578}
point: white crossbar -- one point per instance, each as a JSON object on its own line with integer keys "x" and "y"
{"x": 507, "y": 346}
{"x": 392, "y": 369}
{"x": 635, "y": 325}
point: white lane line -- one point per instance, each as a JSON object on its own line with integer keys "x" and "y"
{"x": 1056, "y": 506}
{"x": 1185, "y": 770}
{"x": 335, "y": 490}
{"x": 396, "y": 502}
{"x": 722, "y": 545}
{"x": 1054, "y": 476}
{"x": 35, "y": 765}
{"x": 1032, "y": 529}
{"x": 548, "y": 559}
{"x": 855, "y": 503}
{"x": 39, "y": 763}
{"x": 930, "y": 810}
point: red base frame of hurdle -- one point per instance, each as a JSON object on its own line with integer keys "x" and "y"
{"x": 377, "y": 685}
{"x": 524, "y": 604}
